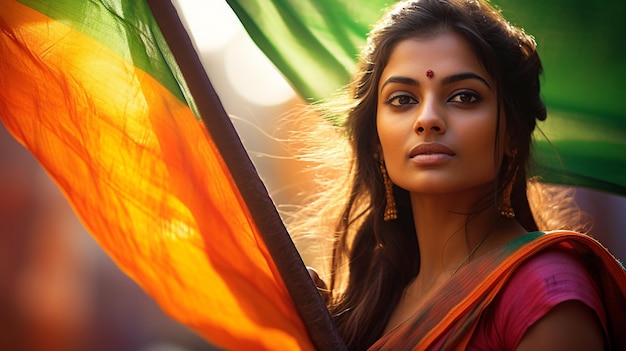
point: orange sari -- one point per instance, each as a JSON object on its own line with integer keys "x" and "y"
{"x": 454, "y": 313}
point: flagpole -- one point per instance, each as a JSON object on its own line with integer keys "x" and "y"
{"x": 302, "y": 290}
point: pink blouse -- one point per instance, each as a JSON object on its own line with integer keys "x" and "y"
{"x": 537, "y": 286}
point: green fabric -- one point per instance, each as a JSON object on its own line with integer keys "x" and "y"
{"x": 315, "y": 44}
{"x": 104, "y": 20}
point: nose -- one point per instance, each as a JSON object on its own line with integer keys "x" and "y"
{"x": 429, "y": 119}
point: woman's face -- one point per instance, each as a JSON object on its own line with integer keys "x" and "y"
{"x": 437, "y": 117}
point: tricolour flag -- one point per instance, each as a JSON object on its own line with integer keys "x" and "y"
{"x": 99, "y": 92}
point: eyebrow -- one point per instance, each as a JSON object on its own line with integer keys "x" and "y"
{"x": 463, "y": 76}
{"x": 447, "y": 80}
{"x": 401, "y": 80}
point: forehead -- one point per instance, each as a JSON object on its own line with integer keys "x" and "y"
{"x": 445, "y": 53}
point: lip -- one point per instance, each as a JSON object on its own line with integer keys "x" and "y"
{"x": 428, "y": 154}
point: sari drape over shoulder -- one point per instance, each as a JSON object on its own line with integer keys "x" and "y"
{"x": 448, "y": 320}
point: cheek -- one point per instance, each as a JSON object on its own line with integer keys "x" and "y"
{"x": 391, "y": 137}
{"x": 483, "y": 148}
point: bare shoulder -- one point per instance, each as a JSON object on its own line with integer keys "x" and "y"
{"x": 570, "y": 325}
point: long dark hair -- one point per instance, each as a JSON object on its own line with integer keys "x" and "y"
{"x": 383, "y": 257}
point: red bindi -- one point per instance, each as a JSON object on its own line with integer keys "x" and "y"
{"x": 430, "y": 73}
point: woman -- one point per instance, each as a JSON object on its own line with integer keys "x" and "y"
{"x": 437, "y": 245}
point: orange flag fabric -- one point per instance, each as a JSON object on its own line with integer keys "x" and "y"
{"x": 94, "y": 91}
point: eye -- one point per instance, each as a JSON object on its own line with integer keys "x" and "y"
{"x": 465, "y": 97}
{"x": 401, "y": 100}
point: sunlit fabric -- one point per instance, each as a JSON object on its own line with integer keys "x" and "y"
{"x": 93, "y": 91}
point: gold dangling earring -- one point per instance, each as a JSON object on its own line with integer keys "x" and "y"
{"x": 391, "y": 211}
{"x": 504, "y": 206}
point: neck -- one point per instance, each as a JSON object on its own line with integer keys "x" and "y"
{"x": 450, "y": 232}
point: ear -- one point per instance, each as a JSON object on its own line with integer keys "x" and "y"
{"x": 378, "y": 152}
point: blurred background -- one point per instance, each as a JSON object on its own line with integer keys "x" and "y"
{"x": 59, "y": 291}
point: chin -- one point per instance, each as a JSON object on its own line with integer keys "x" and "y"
{"x": 440, "y": 187}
